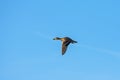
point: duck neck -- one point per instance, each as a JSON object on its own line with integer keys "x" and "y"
{"x": 58, "y": 38}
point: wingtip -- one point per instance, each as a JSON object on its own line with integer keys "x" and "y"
{"x": 63, "y": 54}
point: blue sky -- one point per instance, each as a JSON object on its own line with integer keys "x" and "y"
{"x": 27, "y": 51}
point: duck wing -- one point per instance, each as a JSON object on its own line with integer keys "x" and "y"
{"x": 64, "y": 46}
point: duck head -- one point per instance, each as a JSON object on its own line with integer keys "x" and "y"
{"x": 56, "y": 38}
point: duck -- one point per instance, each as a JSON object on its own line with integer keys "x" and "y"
{"x": 65, "y": 42}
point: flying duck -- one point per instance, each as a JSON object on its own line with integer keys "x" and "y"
{"x": 65, "y": 42}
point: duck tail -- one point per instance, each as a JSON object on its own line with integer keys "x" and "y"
{"x": 74, "y": 42}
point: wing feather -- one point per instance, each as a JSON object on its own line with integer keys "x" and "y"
{"x": 64, "y": 46}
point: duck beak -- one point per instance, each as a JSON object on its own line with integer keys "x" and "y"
{"x": 53, "y": 38}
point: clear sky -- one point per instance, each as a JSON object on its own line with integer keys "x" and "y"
{"x": 28, "y": 51}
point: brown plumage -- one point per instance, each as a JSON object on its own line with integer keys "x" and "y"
{"x": 65, "y": 42}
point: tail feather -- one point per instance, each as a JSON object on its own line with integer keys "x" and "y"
{"x": 74, "y": 42}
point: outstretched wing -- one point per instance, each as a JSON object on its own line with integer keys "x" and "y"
{"x": 64, "y": 46}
